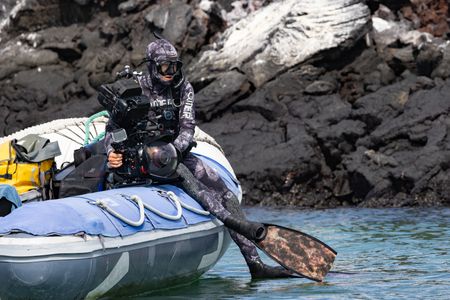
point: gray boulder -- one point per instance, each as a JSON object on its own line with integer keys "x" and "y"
{"x": 281, "y": 35}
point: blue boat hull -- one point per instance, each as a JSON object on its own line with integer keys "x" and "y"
{"x": 136, "y": 268}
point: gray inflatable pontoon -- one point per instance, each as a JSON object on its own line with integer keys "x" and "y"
{"x": 110, "y": 243}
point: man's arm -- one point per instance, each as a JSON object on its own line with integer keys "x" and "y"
{"x": 114, "y": 159}
{"x": 186, "y": 119}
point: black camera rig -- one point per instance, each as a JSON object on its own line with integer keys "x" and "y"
{"x": 124, "y": 101}
{"x": 145, "y": 145}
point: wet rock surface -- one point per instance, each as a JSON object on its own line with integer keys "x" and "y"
{"x": 323, "y": 104}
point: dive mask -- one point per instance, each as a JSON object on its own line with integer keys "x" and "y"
{"x": 168, "y": 67}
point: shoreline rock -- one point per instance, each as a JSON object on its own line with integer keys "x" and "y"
{"x": 345, "y": 107}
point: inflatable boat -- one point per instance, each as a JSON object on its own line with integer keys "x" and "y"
{"x": 113, "y": 242}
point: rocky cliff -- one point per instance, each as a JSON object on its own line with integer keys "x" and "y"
{"x": 316, "y": 103}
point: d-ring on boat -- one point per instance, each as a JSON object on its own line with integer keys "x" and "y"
{"x": 112, "y": 242}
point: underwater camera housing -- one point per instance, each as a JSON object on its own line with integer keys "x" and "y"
{"x": 154, "y": 159}
{"x": 124, "y": 101}
{"x": 147, "y": 149}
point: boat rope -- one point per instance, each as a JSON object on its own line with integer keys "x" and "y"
{"x": 55, "y": 126}
{"x": 170, "y": 196}
{"x": 103, "y": 204}
{"x": 178, "y": 205}
{"x": 195, "y": 210}
{"x": 87, "y": 125}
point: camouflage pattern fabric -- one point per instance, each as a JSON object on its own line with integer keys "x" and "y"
{"x": 221, "y": 202}
{"x": 161, "y": 50}
{"x": 161, "y": 95}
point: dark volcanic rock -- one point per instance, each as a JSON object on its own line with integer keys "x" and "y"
{"x": 443, "y": 69}
{"x": 405, "y": 151}
{"x": 180, "y": 15}
{"x": 353, "y": 110}
{"x": 221, "y": 94}
{"x": 366, "y": 74}
{"x": 251, "y": 143}
{"x": 428, "y": 59}
{"x": 88, "y": 41}
{"x": 39, "y": 79}
{"x": 320, "y": 87}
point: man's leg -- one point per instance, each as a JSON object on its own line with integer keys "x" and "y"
{"x": 205, "y": 174}
{"x": 225, "y": 200}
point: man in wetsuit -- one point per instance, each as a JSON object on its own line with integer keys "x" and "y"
{"x": 172, "y": 97}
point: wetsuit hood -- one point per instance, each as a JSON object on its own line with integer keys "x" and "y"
{"x": 162, "y": 52}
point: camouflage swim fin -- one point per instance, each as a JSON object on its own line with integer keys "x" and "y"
{"x": 294, "y": 250}
{"x": 297, "y": 251}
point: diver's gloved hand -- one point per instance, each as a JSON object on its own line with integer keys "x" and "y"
{"x": 254, "y": 231}
{"x": 259, "y": 270}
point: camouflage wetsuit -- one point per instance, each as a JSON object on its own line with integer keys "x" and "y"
{"x": 218, "y": 199}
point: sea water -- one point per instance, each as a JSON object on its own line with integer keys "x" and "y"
{"x": 382, "y": 254}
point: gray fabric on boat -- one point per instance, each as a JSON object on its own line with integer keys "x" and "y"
{"x": 38, "y": 148}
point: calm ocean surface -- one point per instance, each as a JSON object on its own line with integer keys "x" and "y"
{"x": 382, "y": 254}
